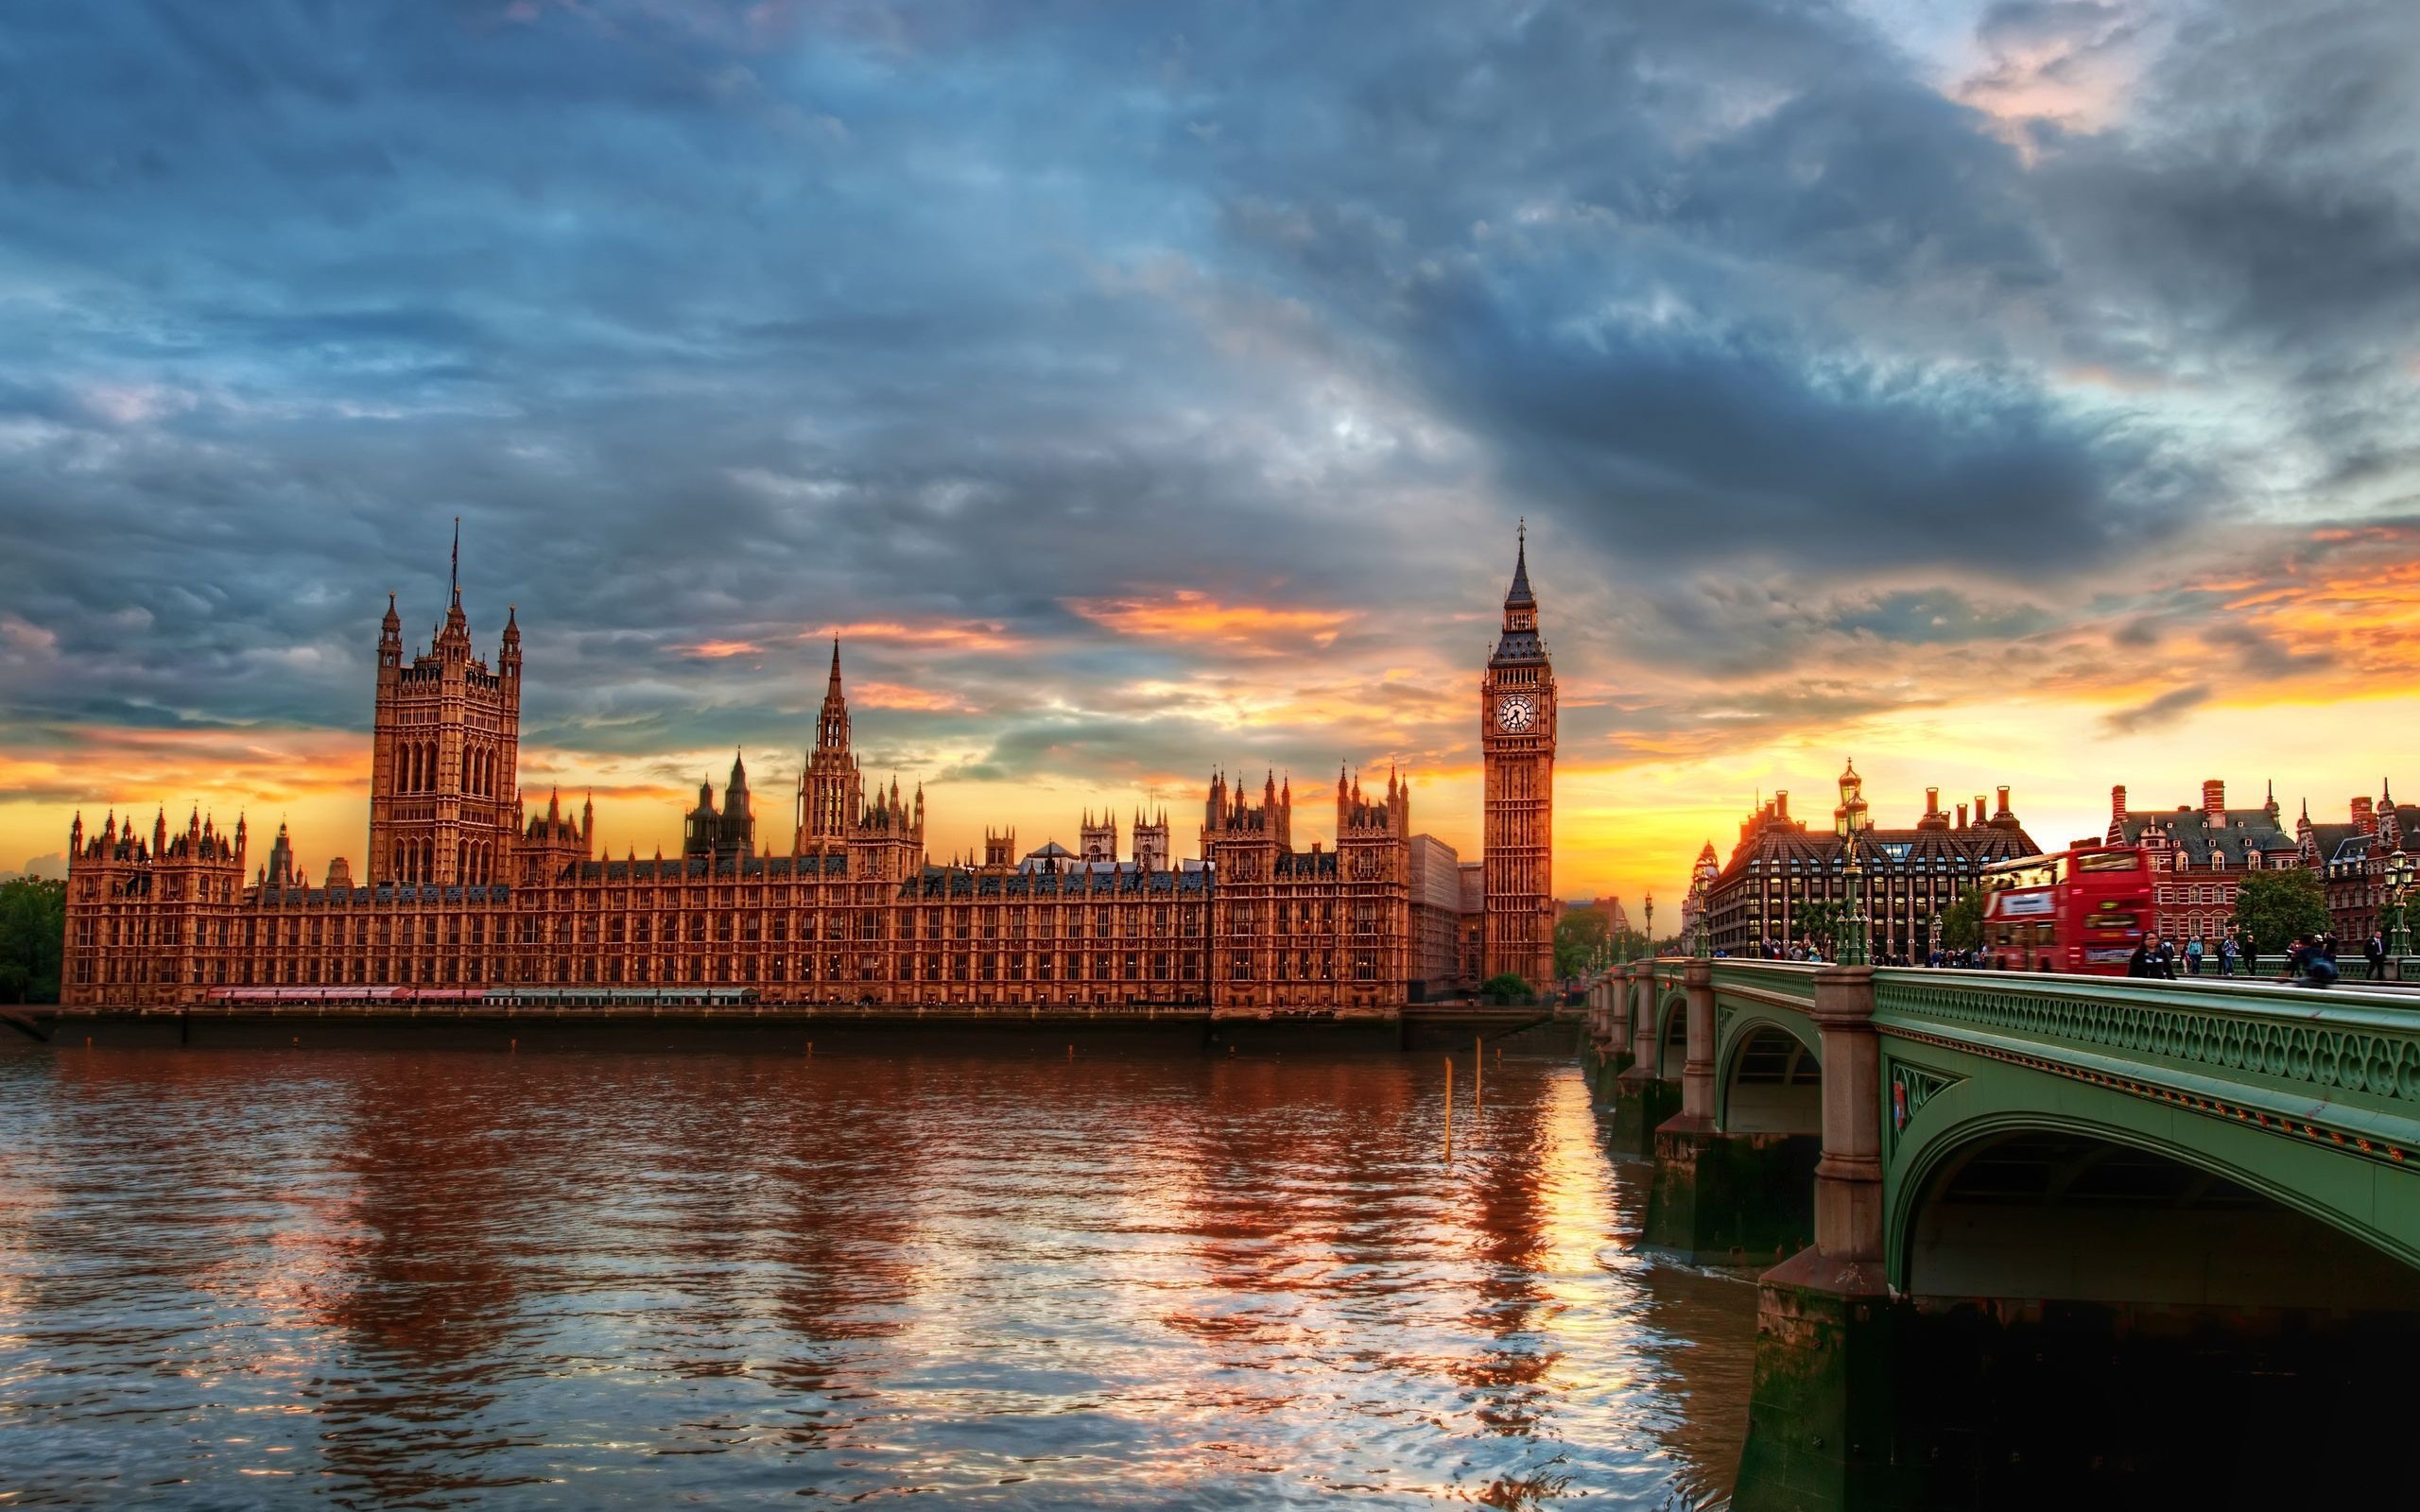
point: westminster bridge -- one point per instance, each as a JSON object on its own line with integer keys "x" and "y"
{"x": 2044, "y": 1236}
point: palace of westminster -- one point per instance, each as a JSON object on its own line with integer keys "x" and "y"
{"x": 462, "y": 889}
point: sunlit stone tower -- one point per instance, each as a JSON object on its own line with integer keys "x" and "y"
{"x": 444, "y": 799}
{"x": 830, "y": 791}
{"x": 1516, "y": 743}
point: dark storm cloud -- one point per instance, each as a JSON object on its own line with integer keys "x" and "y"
{"x": 1621, "y": 274}
{"x": 2260, "y": 220}
{"x": 720, "y": 324}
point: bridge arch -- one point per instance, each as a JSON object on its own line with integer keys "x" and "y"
{"x": 2074, "y": 1206}
{"x": 1768, "y": 1079}
{"x": 1671, "y": 1036}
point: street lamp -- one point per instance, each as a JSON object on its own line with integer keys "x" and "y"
{"x": 1701, "y": 945}
{"x": 1651, "y": 925}
{"x": 1852, "y": 951}
{"x": 2398, "y": 880}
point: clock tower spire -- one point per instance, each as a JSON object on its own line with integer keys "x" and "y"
{"x": 1516, "y": 721}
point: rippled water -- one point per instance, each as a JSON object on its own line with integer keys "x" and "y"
{"x": 437, "y": 1279}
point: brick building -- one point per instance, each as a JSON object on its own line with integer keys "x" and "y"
{"x": 2351, "y": 858}
{"x": 1779, "y": 866}
{"x": 2199, "y": 855}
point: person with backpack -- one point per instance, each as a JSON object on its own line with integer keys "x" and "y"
{"x": 2227, "y": 956}
{"x": 2193, "y": 957}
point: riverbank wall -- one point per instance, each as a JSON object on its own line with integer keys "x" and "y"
{"x": 793, "y": 1031}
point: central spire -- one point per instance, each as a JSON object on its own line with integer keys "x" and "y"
{"x": 1520, "y": 595}
{"x": 1520, "y": 640}
{"x": 832, "y": 728}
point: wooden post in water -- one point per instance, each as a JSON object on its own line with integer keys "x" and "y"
{"x": 1479, "y": 1074}
{"x": 1449, "y": 1108}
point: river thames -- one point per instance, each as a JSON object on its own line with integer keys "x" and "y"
{"x": 453, "y": 1279}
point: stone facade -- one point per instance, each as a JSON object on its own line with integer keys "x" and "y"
{"x": 1704, "y": 874}
{"x": 460, "y": 894}
{"x": 1778, "y": 866}
{"x": 444, "y": 755}
{"x": 1438, "y": 921}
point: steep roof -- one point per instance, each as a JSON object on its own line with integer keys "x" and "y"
{"x": 2234, "y": 834}
{"x": 1878, "y": 850}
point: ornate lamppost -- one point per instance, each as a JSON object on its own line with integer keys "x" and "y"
{"x": 1936, "y": 935}
{"x": 2398, "y": 881}
{"x": 1702, "y": 940}
{"x": 1651, "y": 925}
{"x": 1852, "y": 951}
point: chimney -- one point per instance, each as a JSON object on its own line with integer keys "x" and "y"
{"x": 1979, "y": 810}
{"x": 2002, "y": 811}
{"x": 2118, "y": 804}
{"x": 1781, "y": 803}
{"x": 2365, "y": 819}
{"x": 1961, "y": 815}
{"x": 2214, "y": 797}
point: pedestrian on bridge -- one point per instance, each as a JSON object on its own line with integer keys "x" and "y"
{"x": 2308, "y": 961}
{"x": 2193, "y": 957}
{"x": 2375, "y": 950}
{"x": 2147, "y": 962}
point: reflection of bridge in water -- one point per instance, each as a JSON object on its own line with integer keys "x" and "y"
{"x": 2038, "y": 1237}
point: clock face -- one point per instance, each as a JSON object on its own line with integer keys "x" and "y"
{"x": 1516, "y": 713}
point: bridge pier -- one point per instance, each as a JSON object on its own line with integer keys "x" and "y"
{"x": 1719, "y": 1199}
{"x": 1642, "y": 1098}
{"x": 1608, "y": 1036}
{"x": 1823, "y": 1418}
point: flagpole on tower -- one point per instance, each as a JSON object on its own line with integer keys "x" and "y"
{"x": 454, "y": 568}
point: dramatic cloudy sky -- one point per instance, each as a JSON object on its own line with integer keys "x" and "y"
{"x": 2023, "y": 392}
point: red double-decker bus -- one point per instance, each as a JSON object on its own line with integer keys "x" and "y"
{"x": 2080, "y": 910}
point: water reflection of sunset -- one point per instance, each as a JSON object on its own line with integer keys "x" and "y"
{"x": 1103, "y": 1281}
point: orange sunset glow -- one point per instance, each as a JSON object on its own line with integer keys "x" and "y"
{"x": 1654, "y": 762}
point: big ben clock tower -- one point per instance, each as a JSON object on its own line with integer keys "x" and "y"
{"x": 1516, "y": 744}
